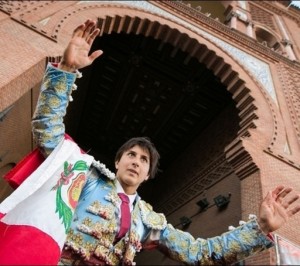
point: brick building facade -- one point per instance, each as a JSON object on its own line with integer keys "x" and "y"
{"x": 249, "y": 146}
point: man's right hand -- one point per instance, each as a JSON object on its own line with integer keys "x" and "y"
{"x": 76, "y": 55}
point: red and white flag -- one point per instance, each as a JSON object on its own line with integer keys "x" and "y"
{"x": 37, "y": 215}
{"x": 287, "y": 252}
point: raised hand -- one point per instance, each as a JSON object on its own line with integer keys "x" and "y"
{"x": 76, "y": 54}
{"x": 277, "y": 207}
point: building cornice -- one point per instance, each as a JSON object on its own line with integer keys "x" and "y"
{"x": 220, "y": 30}
{"x": 16, "y": 10}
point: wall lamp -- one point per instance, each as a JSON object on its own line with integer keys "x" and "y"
{"x": 220, "y": 201}
{"x": 203, "y": 204}
{"x": 185, "y": 222}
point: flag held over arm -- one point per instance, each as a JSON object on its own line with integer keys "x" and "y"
{"x": 38, "y": 213}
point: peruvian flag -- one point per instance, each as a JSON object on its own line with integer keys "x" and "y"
{"x": 287, "y": 252}
{"x": 34, "y": 219}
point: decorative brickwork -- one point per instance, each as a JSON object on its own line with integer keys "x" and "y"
{"x": 262, "y": 16}
{"x": 285, "y": 12}
{"x": 290, "y": 81}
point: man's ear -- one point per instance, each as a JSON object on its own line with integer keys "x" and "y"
{"x": 117, "y": 165}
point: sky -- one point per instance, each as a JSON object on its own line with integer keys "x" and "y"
{"x": 296, "y": 3}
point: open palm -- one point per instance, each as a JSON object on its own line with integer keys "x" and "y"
{"x": 76, "y": 55}
{"x": 277, "y": 208}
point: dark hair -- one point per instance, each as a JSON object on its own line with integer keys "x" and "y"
{"x": 146, "y": 144}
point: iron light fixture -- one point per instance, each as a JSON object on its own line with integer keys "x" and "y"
{"x": 222, "y": 201}
{"x": 185, "y": 221}
{"x": 203, "y": 204}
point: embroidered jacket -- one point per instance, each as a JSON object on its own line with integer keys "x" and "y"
{"x": 94, "y": 224}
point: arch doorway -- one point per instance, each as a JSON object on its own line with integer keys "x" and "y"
{"x": 142, "y": 86}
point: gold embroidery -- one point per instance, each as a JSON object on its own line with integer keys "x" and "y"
{"x": 46, "y": 137}
{"x": 129, "y": 255}
{"x": 76, "y": 243}
{"x": 150, "y": 218}
{"x": 57, "y": 129}
{"x": 194, "y": 250}
{"x": 60, "y": 86}
{"x": 101, "y": 252}
{"x": 234, "y": 246}
{"x": 54, "y": 101}
{"x": 104, "y": 211}
{"x": 42, "y": 98}
{"x": 217, "y": 247}
{"x": 113, "y": 198}
{"x": 119, "y": 248}
{"x": 87, "y": 221}
{"x": 106, "y": 255}
{"x": 97, "y": 229}
{"x": 45, "y": 109}
{"x": 246, "y": 236}
{"x": 134, "y": 240}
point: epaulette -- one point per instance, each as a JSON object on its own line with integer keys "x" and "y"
{"x": 150, "y": 218}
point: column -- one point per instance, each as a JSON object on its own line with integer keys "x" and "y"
{"x": 233, "y": 20}
{"x": 250, "y": 28}
{"x": 288, "y": 48}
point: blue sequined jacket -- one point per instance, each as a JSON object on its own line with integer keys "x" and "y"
{"x": 95, "y": 222}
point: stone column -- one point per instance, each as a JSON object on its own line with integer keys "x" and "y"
{"x": 250, "y": 28}
{"x": 288, "y": 48}
{"x": 233, "y": 20}
{"x": 282, "y": 28}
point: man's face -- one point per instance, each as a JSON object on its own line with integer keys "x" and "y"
{"x": 133, "y": 168}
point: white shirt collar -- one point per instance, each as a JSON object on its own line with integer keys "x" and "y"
{"x": 121, "y": 190}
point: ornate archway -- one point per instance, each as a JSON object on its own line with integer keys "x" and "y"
{"x": 231, "y": 73}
